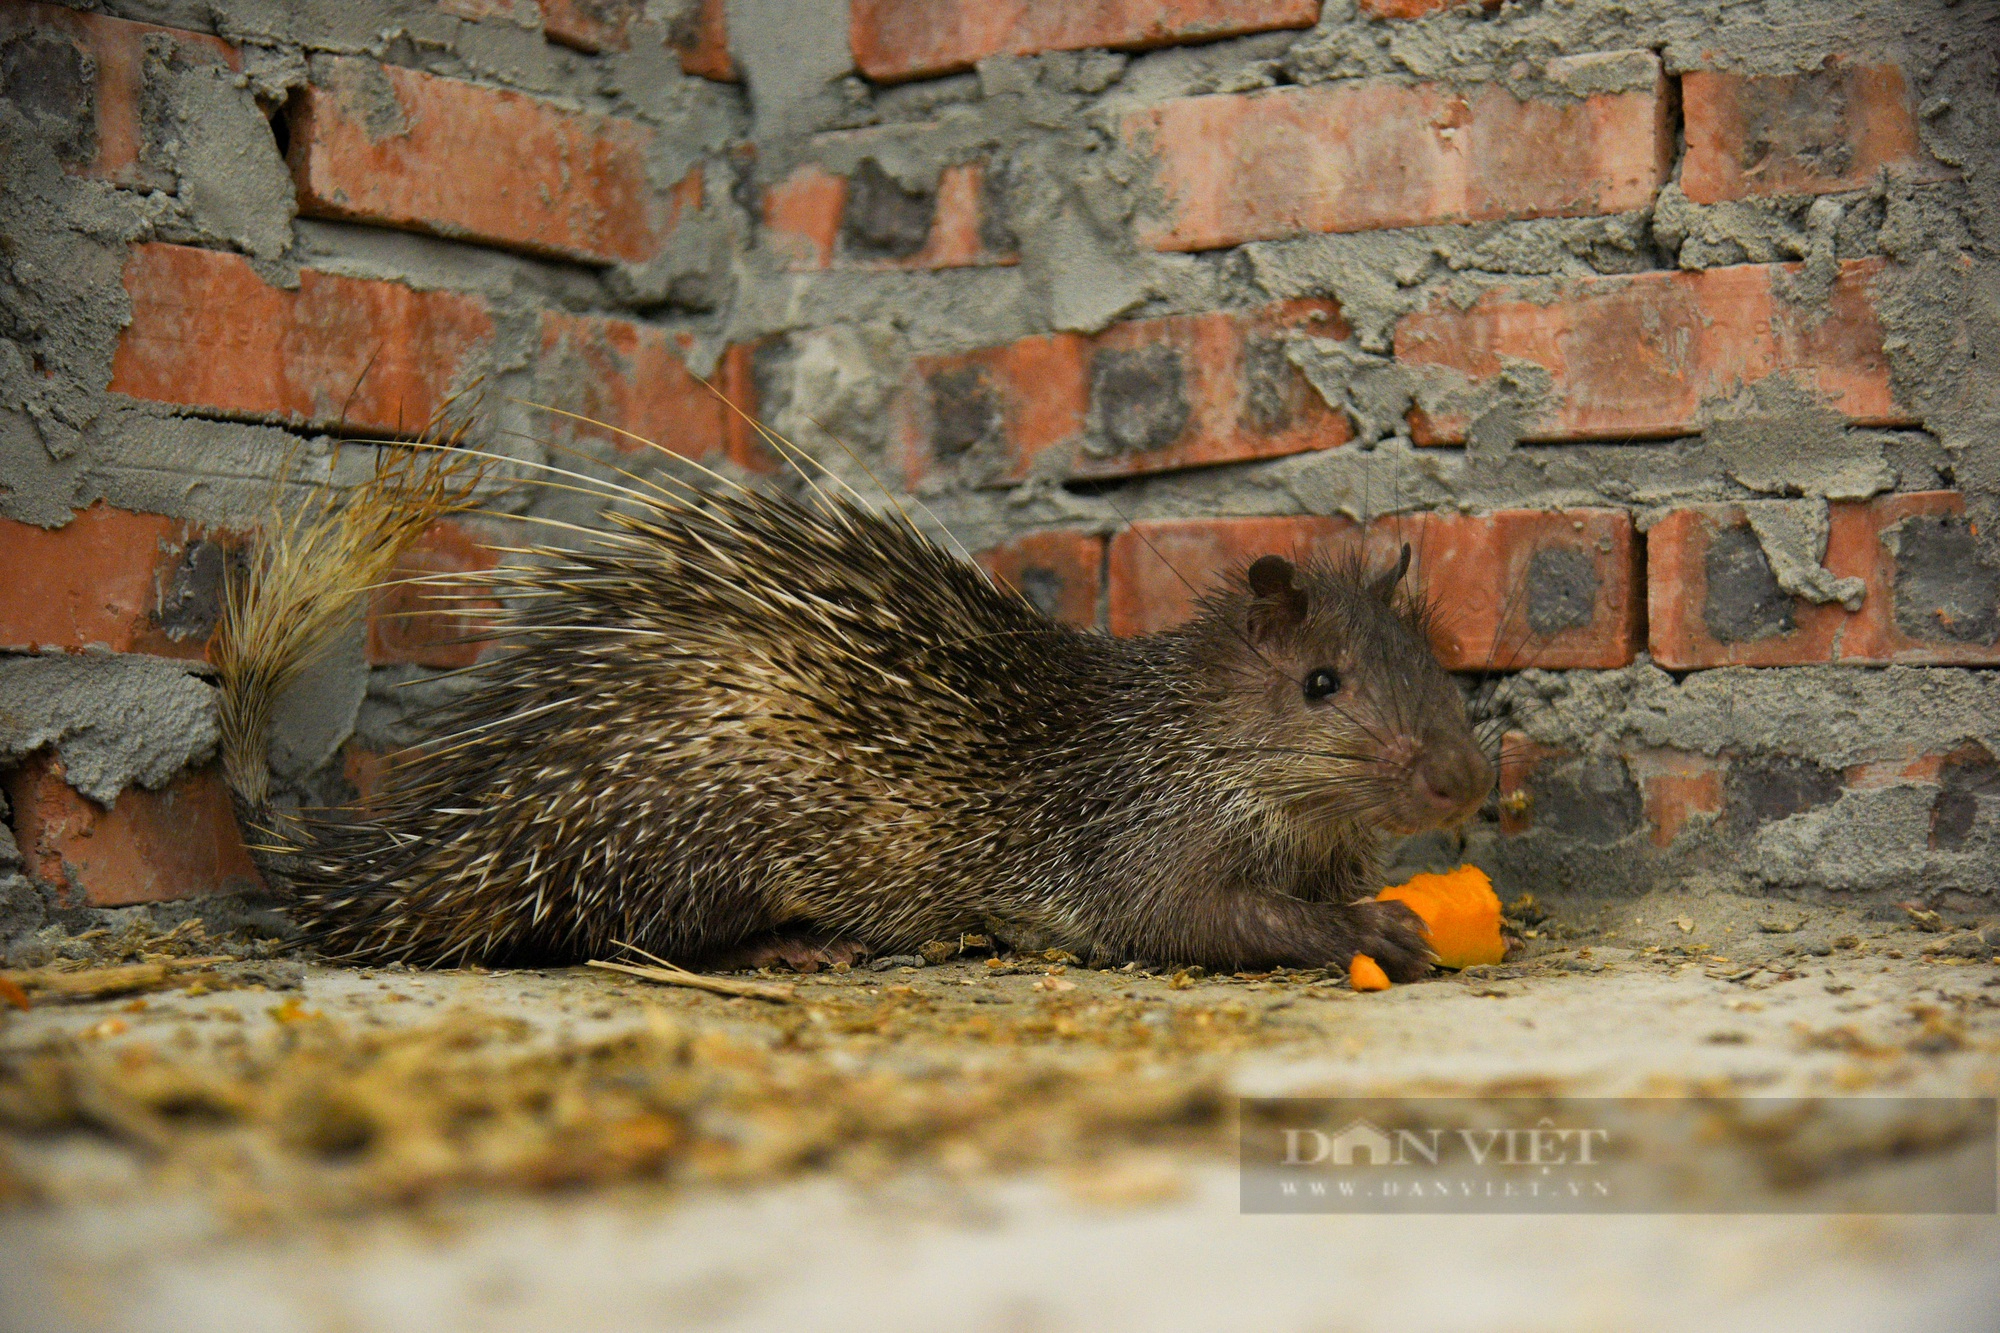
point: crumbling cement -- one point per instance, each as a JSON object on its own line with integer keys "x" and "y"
{"x": 1397, "y": 476}
{"x": 113, "y": 721}
{"x": 217, "y": 143}
{"x": 1839, "y": 716}
{"x": 1465, "y": 45}
{"x": 316, "y": 715}
{"x": 1793, "y": 534}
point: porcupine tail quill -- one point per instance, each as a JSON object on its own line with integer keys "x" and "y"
{"x": 316, "y": 561}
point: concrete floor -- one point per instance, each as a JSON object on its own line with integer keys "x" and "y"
{"x": 1673, "y": 995}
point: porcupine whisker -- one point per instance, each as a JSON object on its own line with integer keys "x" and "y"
{"x": 708, "y": 472}
{"x": 605, "y": 535}
{"x": 1338, "y": 756}
{"x": 791, "y": 453}
{"x": 347, "y": 403}
{"x": 1359, "y": 724}
{"x": 1319, "y": 775}
{"x": 886, "y": 492}
{"x": 1058, "y": 766}
{"x": 1161, "y": 557}
{"x": 687, "y": 488}
{"x": 608, "y": 490}
{"x": 1516, "y": 595}
{"x": 1356, "y": 721}
{"x": 1329, "y": 802}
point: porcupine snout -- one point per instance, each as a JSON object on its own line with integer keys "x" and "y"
{"x": 1443, "y": 779}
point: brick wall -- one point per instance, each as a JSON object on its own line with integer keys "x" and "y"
{"x": 1657, "y": 331}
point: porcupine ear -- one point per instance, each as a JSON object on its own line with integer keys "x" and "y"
{"x": 1278, "y": 604}
{"x": 1385, "y": 587}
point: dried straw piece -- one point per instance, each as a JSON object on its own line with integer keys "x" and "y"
{"x": 668, "y": 974}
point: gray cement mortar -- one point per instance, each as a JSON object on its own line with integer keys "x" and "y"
{"x": 114, "y": 721}
{"x": 1838, "y": 715}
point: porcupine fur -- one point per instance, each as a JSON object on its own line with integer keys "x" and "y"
{"x": 744, "y": 717}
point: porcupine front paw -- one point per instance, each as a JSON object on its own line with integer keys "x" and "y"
{"x": 800, "y": 953}
{"x": 1391, "y": 934}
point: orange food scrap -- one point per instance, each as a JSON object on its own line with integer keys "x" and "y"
{"x": 1364, "y": 973}
{"x": 1461, "y": 911}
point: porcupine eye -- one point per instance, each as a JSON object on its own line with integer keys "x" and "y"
{"x": 1321, "y": 683}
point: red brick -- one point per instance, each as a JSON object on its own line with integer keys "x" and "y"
{"x": 1156, "y": 570}
{"x": 743, "y": 443}
{"x": 432, "y": 624}
{"x": 956, "y": 239}
{"x": 590, "y": 25}
{"x": 1356, "y": 156}
{"x": 1527, "y": 587}
{"x": 110, "y": 580}
{"x": 803, "y": 215}
{"x": 686, "y": 195}
{"x": 1517, "y": 588}
{"x": 208, "y": 333}
{"x": 88, "y": 74}
{"x": 913, "y": 39}
{"x": 1932, "y": 604}
{"x": 1644, "y": 356}
{"x": 1520, "y": 758}
{"x": 367, "y": 772}
{"x": 1676, "y": 785}
{"x": 1878, "y": 773}
{"x": 1836, "y": 128}
{"x": 700, "y": 35}
{"x": 178, "y": 842}
{"x": 632, "y": 382}
{"x": 1027, "y": 396}
{"x": 1060, "y": 572}
{"x": 1238, "y": 397}
{"x": 381, "y": 144}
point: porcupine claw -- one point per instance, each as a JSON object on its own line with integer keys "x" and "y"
{"x": 800, "y": 953}
{"x": 1393, "y": 936}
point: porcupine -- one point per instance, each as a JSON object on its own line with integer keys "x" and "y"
{"x": 742, "y": 728}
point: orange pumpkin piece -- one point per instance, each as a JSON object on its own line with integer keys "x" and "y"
{"x": 1364, "y": 973}
{"x": 1461, "y": 911}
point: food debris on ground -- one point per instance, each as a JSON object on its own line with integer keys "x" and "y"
{"x": 1364, "y": 973}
